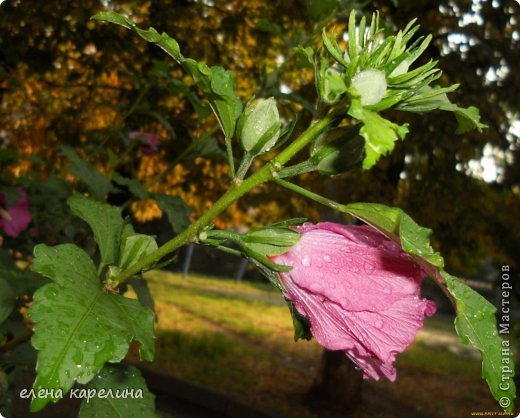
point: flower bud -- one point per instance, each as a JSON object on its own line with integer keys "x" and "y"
{"x": 338, "y": 150}
{"x": 259, "y": 127}
{"x": 370, "y": 85}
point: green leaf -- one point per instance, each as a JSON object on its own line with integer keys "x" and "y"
{"x": 319, "y": 9}
{"x": 264, "y": 25}
{"x": 203, "y": 109}
{"x": 78, "y": 326}
{"x": 415, "y": 240}
{"x": 133, "y": 185}
{"x": 380, "y": 134}
{"x": 216, "y": 83}
{"x": 476, "y": 326}
{"x": 134, "y": 248}
{"x": 141, "y": 289}
{"x": 114, "y": 379}
{"x": 226, "y": 105}
{"x": 106, "y": 224}
{"x": 11, "y": 194}
{"x": 396, "y": 224}
{"x": 467, "y": 118}
{"x": 98, "y": 184}
{"x": 207, "y": 146}
{"x": 305, "y": 56}
{"x": 168, "y": 44}
{"x": 7, "y": 299}
{"x": 475, "y": 321}
{"x": 176, "y": 209}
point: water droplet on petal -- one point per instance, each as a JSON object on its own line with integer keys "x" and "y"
{"x": 369, "y": 268}
{"x": 387, "y": 290}
{"x": 316, "y": 287}
{"x": 378, "y": 324}
{"x": 335, "y": 271}
{"x": 327, "y": 258}
{"x": 306, "y": 261}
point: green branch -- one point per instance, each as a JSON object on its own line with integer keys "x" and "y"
{"x": 311, "y": 195}
{"x": 235, "y": 192}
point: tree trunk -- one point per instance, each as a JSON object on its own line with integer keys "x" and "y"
{"x": 338, "y": 385}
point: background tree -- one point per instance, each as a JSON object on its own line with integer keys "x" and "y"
{"x": 68, "y": 80}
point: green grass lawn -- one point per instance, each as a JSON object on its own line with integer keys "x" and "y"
{"x": 237, "y": 338}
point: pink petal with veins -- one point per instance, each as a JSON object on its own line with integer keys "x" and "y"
{"x": 360, "y": 292}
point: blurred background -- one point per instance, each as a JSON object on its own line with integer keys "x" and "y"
{"x": 80, "y": 99}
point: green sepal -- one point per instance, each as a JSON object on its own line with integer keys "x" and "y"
{"x": 271, "y": 241}
{"x": 261, "y": 258}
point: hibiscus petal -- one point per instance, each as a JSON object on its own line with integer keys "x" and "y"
{"x": 360, "y": 291}
{"x": 19, "y": 217}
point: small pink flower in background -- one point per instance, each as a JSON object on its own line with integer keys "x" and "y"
{"x": 149, "y": 140}
{"x": 360, "y": 292}
{"x": 14, "y": 219}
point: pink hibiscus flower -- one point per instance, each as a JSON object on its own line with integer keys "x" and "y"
{"x": 14, "y": 219}
{"x": 148, "y": 139}
{"x": 360, "y": 292}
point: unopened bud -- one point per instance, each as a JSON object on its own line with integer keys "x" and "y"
{"x": 259, "y": 127}
{"x": 370, "y": 85}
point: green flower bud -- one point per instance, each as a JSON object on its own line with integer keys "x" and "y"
{"x": 338, "y": 150}
{"x": 259, "y": 127}
{"x": 370, "y": 85}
